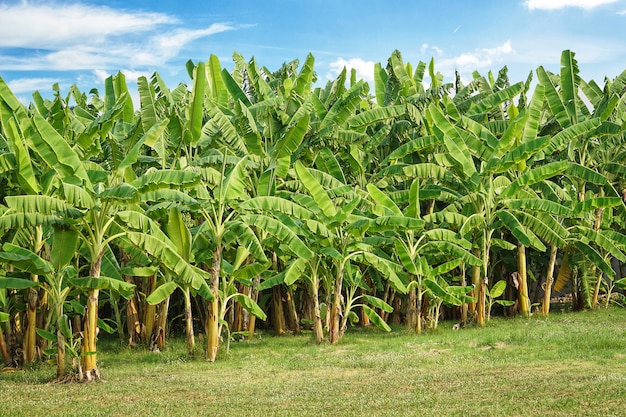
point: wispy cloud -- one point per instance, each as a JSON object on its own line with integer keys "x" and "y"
{"x": 28, "y": 85}
{"x": 480, "y": 58}
{"x": 426, "y": 47}
{"x": 84, "y": 37}
{"x": 52, "y": 26}
{"x": 180, "y": 37}
{"x": 364, "y": 69}
{"x": 131, "y": 75}
{"x": 559, "y": 4}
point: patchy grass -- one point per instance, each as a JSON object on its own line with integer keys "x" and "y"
{"x": 569, "y": 364}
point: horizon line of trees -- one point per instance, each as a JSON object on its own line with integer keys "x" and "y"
{"x": 251, "y": 196}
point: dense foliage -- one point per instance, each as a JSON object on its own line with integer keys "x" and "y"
{"x": 255, "y": 195}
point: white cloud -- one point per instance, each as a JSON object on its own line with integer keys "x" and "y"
{"x": 364, "y": 69}
{"x": 480, "y": 58}
{"x": 28, "y": 85}
{"x": 131, "y": 75}
{"x": 426, "y": 47}
{"x": 51, "y": 26}
{"x": 180, "y": 37}
{"x": 559, "y": 4}
{"x": 83, "y": 37}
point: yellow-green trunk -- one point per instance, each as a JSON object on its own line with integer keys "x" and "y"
{"x": 547, "y": 292}
{"x": 318, "y": 330}
{"x": 60, "y": 354}
{"x": 335, "y": 311}
{"x": 523, "y": 298}
{"x": 190, "y": 338}
{"x": 90, "y": 329}
{"x": 254, "y": 294}
{"x": 596, "y": 290}
{"x": 90, "y": 334}
{"x": 150, "y": 312}
{"x": 213, "y": 309}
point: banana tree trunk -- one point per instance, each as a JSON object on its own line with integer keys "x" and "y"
{"x": 61, "y": 363}
{"x": 418, "y": 316}
{"x": 318, "y": 330}
{"x": 388, "y": 298}
{"x": 254, "y": 294}
{"x": 189, "y": 336}
{"x": 161, "y": 332}
{"x": 411, "y": 311}
{"x": 213, "y": 307}
{"x": 524, "y": 299}
{"x": 132, "y": 321}
{"x": 89, "y": 336}
{"x": 476, "y": 270}
{"x": 292, "y": 313}
{"x": 90, "y": 330}
{"x": 547, "y": 293}
{"x": 3, "y": 346}
{"x": 335, "y": 310}
{"x": 30, "y": 338}
{"x": 463, "y": 305}
{"x": 475, "y": 292}
{"x": 237, "y": 311}
{"x": 596, "y": 290}
{"x": 277, "y": 308}
{"x": 364, "y": 319}
{"x": 483, "y": 281}
{"x": 149, "y": 312}
{"x": 44, "y": 316}
{"x": 277, "y": 301}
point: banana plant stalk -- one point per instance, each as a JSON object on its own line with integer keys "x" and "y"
{"x": 547, "y": 293}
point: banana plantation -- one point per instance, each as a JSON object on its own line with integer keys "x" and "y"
{"x": 258, "y": 199}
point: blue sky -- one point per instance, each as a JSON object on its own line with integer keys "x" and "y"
{"x": 82, "y": 42}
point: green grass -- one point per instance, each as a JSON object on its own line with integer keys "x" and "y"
{"x": 572, "y": 364}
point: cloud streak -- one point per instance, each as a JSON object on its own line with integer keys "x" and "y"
{"x": 560, "y": 4}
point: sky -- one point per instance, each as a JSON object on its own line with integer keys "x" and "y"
{"x": 84, "y": 41}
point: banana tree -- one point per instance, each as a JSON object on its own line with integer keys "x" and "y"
{"x": 15, "y": 122}
{"x": 89, "y": 196}
{"x": 592, "y": 152}
{"x": 221, "y": 228}
{"x": 341, "y": 236}
{"x": 490, "y": 171}
{"x": 58, "y": 279}
{"x": 307, "y": 264}
{"x": 26, "y": 263}
{"x": 354, "y": 282}
{"x": 415, "y": 248}
{"x": 440, "y": 292}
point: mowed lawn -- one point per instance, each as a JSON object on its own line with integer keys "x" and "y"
{"x": 572, "y": 364}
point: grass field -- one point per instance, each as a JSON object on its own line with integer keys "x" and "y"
{"x": 572, "y": 364}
